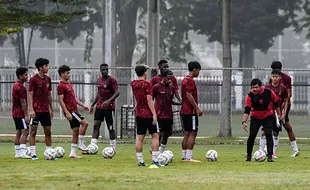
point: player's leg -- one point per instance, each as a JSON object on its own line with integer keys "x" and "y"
{"x": 185, "y": 122}
{"x": 262, "y": 141}
{"x": 254, "y": 128}
{"x": 275, "y": 143}
{"x": 17, "y": 137}
{"x": 83, "y": 127}
{"x": 268, "y": 125}
{"x": 165, "y": 128}
{"x": 141, "y": 131}
{"x": 291, "y": 134}
{"x": 193, "y": 129}
{"x": 154, "y": 131}
{"x": 109, "y": 115}
{"x": 45, "y": 120}
{"x": 74, "y": 124}
{"x": 23, "y": 139}
{"x": 32, "y": 138}
{"x": 99, "y": 118}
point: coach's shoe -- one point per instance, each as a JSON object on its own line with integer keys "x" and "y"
{"x": 270, "y": 159}
{"x": 75, "y": 156}
{"x": 157, "y": 164}
{"x": 142, "y": 164}
{"x": 295, "y": 154}
{"x": 274, "y": 156}
{"x": 34, "y": 157}
{"x": 248, "y": 158}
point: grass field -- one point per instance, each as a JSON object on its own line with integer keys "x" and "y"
{"x": 122, "y": 172}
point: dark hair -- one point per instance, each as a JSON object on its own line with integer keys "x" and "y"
{"x": 256, "y": 81}
{"x": 21, "y": 71}
{"x": 162, "y": 61}
{"x": 276, "y": 72}
{"x": 63, "y": 68}
{"x": 140, "y": 70}
{"x": 276, "y": 65}
{"x": 104, "y": 65}
{"x": 193, "y": 65}
{"x": 167, "y": 72}
{"x": 40, "y": 62}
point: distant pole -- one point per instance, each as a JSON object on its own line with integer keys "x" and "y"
{"x": 225, "y": 128}
{"x": 153, "y": 32}
{"x": 103, "y": 30}
{"x": 280, "y": 48}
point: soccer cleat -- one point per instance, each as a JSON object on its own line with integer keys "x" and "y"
{"x": 183, "y": 159}
{"x": 142, "y": 164}
{"x": 274, "y": 156}
{"x": 295, "y": 154}
{"x": 75, "y": 156}
{"x": 24, "y": 156}
{"x": 248, "y": 158}
{"x": 270, "y": 159}
{"x": 17, "y": 156}
{"x": 34, "y": 157}
{"x": 83, "y": 148}
{"x": 157, "y": 164}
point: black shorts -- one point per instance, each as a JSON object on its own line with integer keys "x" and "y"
{"x": 190, "y": 122}
{"x": 41, "y": 117}
{"x": 145, "y": 124}
{"x": 105, "y": 114}
{"x": 165, "y": 125}
{"x": 76, "y": 120}
{"x": 287, "y": 112}
{"x": 20, "y": 123}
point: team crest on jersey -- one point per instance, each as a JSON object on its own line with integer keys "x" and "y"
{"x": 261, "y": 101}
{"x": 105, "y": 86}
{"x": 47, "y": 85}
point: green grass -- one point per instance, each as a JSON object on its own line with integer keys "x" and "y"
{"x": 208, "y": 126}
{"x": 122, "y": 172}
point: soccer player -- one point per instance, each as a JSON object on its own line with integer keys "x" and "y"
{"x": 146, "y": 117}
{"x": 163, "y": 66}
{"x": 40, "y": 104}
{"x": 20, "y": 113}
{"x": 68, "y": 103}
{"x": 163, "y": 94}
{"x": 190, "y": 111}
{"x": 282, "y": 95}
{"x": 105, "y": 100}
{"x": 260, "y": 103}
{"x": 287, "y": 82}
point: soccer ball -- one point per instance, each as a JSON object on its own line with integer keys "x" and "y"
{"x": 108, "y": 152}
{"x": 211, "y": 155}
{"x": 260, "y": 156}
{"x": 170, "y": 154}
{"x": 49, "y": 154}
{"x": 92, "y": 148}
{"x": 163, "y": 159}
{"x": 60, "y": 152}
{"x": 28, "y": 151}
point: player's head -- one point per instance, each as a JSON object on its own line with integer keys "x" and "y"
{"x": 256, "y": 85}
{"x": 64, "y": 72}
{"x": 163, "y": 66}
{"x": 141, "y": 70}
{"x": 22, "y": 74}
{"x": 104, "y": 69}
{"x": 275, "y": 76}
{"x": 194, "y": 67}
{"x": 42, "y": 65}
{"x": 276, "y": 65}
{"x": 167, "y": 77}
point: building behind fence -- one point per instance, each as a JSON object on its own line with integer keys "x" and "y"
{"x": 209, "y": 87}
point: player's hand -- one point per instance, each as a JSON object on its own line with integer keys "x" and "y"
{"x": 283, "y": 116}
{"x": 27, "y": 119}
{"x": 85, "y": 108}
{"x": 106, "y": 103}
{"x": 51, "y": 114}
{"x": 91, "y": 110}
{"x": 154, "y": 119}
{"x": 32, "y": 114}
{"x": 198, "y": 112}
{"x": 245, "y": 127}
{"x": 68, "y": 116}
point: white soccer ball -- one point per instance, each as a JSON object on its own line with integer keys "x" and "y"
{"x": 28, "y": 151}
{"x": 170, "y": 154}
{"x": 92, "y": 148}
{"x": 211, "y": 155}
{"x": 163, "y": 159}
{"x": 108, "y": 152}
{"x": 60, "y": 152}
{"x": 49, "y": 154}
{"x": 260, "y": 156}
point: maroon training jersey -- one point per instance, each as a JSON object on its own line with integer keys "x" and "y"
{"x": 280, "y": 91}
{"x": 188, "y": 85}
{"x": 41, "y": 88}
{"x": 157, "y": 79}
{"x": 67, "y": 91}
{"x": 163, "y": 100}
{"x": 106, "y": 89}
{"x": 141, "y": 89}
{"x": 19, "y": 93}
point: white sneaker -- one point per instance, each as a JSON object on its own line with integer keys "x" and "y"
{"x": 17, "y": 156}
{"x": 75, "y": 156}
{"x": 24, "y": 156}
{"x": 295, "y": 154}
{"x": 83, "y": 147}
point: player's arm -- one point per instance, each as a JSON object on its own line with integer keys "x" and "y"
{"x": 81, "y": 104}
{"x": 32, "y": 113}
{"x": 23, "y": 102}
{"x": 275, "y": 101}
{"x": 63, "y": 106}
{"x": 285, "y": 104}
{"x": 50, "y": 97}
{"x": 177, "y": 95}
{"x": 246, "y": 113}
{"x": 116, "y": 92}
{"x": 176, "y": 91}
{"x": 191, "y": 100}
{"x": 176, "y": 103}
{"x": 94, "y": 103}
{"x": 150, "y": 103}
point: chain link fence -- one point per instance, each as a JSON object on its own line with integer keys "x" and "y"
{"x": 209, "y": 86}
